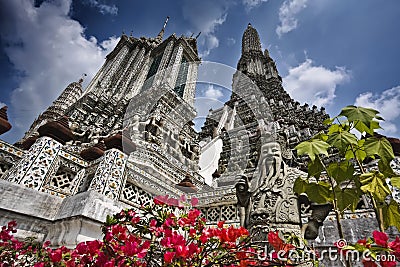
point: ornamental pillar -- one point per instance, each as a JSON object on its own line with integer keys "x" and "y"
{"x": 109, "y": 177}
{"x": 37, "y": 162}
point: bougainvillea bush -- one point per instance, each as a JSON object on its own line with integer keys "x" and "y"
{"x": 377, "y": 250}
{"x": 168, "y": 232}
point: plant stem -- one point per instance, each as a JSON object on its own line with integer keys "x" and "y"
{"x": 335, "y": 208}
{"x": 378, "y": 210}
{"x": 335, "y": 205}
{"x": 379, "y": 214}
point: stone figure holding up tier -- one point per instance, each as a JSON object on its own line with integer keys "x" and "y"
{"x": 267, "y": 199}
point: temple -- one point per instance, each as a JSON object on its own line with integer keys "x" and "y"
{"x": 129, "y": 136}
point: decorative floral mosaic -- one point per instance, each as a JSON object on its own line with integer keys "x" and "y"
{"x": 32, "y": 169}
{"x": 108, "y": 179}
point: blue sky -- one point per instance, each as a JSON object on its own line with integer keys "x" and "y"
{"x": 329, "y": 52}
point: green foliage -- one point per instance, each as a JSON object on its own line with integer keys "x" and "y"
{"x": 364, "y": 119}
{"x": 395, "y": 181}
{"x": 345, "y": 185}
{"x": 391, "y": 215}
{"x": 379, "y": 147}
{"x": 315, "y": 168}
{"x": 374, "y": 183}
{"x": 313, "y": 148}
{"x": 319, "y": 192}
{"x": 347, "y": 198}
{"x": 342, "y": 139}
{"x": 341, "y": 171}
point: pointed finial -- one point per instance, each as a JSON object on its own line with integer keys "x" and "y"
{"x": 249, "y": 25}
{"x": 197, "y": 36}
{"x": 191, "y": 35}
{"x": 82, "y": 77}
{"x": 165, "y": 23}
{"x": 161, "y": 34}
{"x": 131, "y": 33}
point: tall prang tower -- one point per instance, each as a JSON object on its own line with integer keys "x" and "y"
{"x": 133, "y": 66}
{"x": 258, "y": 103}
{"x": 139, "y": 105}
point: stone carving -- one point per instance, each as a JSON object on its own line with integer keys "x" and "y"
{"x": 267, "y": 198}
{"x": 153, "y": 131}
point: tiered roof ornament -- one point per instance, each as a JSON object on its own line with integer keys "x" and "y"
{"x": 250, "y": 40}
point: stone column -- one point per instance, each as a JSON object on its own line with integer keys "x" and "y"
{"x": 109, "y": 178}
{"x": 39, "y": 160}
{"x": 174, "y": 65}
{"x": 189, "y": 93}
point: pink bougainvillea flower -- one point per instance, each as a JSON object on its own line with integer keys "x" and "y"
{"x": 160, "y": 200}
{"x": 380, "y": 238}
{"x": 194, "y": 201}
{"x": 168, "y": 256}
{"x": 387, "y": 263}
{"x": 395, "y": 246}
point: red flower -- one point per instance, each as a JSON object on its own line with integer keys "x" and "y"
{"x": 380, "y": 238}
{"x": 388, "y": 263}
{"x": 55, "y": 255}
{"x": 82, "y": 248}
{"x": 160, "y": 200}
{"x": 194, "y": 201}
{"x": 395, "y": 246}
{"x": 168, "y": 256}
{"x": 275, "y": 241}
{"x": 369, "y": 263}
{"x": 94, "y": 246}
{"x": 221, "y": 224}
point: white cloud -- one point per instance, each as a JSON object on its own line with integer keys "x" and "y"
{"x": 103, "y": 8}
{"x": 49, "y": 50}
{"x": 206, "y": 16}
{"x": 387, "y": 103}
{"x": 315, "y": 85}
{"x": 213, "y": 93}
{"x": 287, "y": 13}
{"x": 249, "y": 4}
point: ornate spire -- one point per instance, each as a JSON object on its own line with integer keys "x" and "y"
{"x": 161, "y": 34}
{"x": 250, "y": 40}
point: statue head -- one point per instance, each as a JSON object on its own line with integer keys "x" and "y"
{"x": 271, "y": 155}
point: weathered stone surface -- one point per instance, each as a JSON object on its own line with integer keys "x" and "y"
{"x": 46, "y": 217}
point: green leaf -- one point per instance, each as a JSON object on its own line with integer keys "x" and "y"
{"x": 335, "y": 128}
{"x": 321, "y": 136}
{"x": 384, "y": 167}
{"x": 380, "y": 147}
{"x": 395, "y": 181}
{"x": 312, "y": 148}
{"x": 362, "y": 118}
{"x": 391, "y": 215}
{"x": 328, "y": 121}
{"x": 374, "y": 183}
{"x": 341, "y": 171}
{"x": 315, "y": 168}
{"x": 342, "y": 140}
{"x": 320, "y": 192}
{"x": 347, "y": 198}
{"x": 361, "y": 127}
{"x": 300, "y": 186}
{"x": 110, "y": 220}
{"x": 359, "y": 152}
